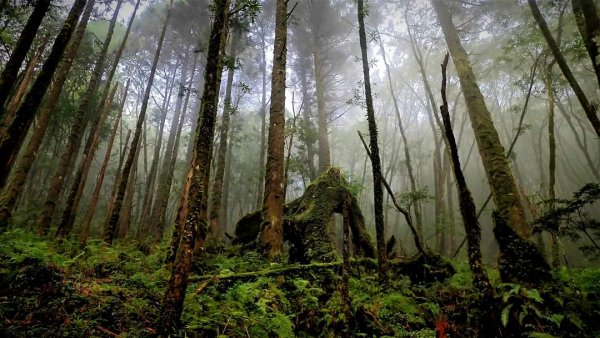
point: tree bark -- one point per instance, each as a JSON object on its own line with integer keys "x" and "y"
{"x": 12, "y": 66}
{"x": 271, "y": 237}
{"x": 77, "y": 185}
{"x": 375, "y": 159}
{"x": 409, "y": 167}
{"x": 263, "y": 124}
{"x": 14, "y": 186}
{"x": 193, "y": 210}
{"x": 471, "y": 224}
{"x": 75, "y": 136}
{"x": 588, "y": 107}
{"x": 113, "y": 221}
{"x": 324, "y": 152}
{"x": 17, "y": 96}
{"x": 588, "y": 23}
{"x": 89, "y": 215}
{"x": 17, "y": 130}
{"x": 216, "y": 230}
{"x": 500, "y": 178}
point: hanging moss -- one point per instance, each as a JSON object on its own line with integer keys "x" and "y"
{"x": 306, "y": 219}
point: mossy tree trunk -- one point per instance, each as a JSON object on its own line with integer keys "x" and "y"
{"x": 469, "y": 215}
{"x": 375, "y": 159}
{"x": 306, "y": 219}
{"x": 17, "y": 130}
{"x": 588, "y": 107}
{"x": 100, "y": 179}
{"x": 75, "y": 134}
{"x": 12, "y": 66}
{"x": 263, "y": 122}
{"x": 159, "y": 207}
{"x": 113, "y": 221}
{"x": 499, "y": 174}
{"x": 14, "y": 186}
{"x": 216, "y": 226}
{"x": 271, "y": 236}
{"x": 588, "y": 23}
{"x": 193, "y": 211}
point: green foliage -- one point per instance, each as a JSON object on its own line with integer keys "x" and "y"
{"x": 569, "y": 218}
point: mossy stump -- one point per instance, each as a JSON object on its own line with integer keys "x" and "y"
{"x": 306, "y": 220}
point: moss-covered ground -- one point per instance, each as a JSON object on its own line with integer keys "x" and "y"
{"x": 63, "y": 290}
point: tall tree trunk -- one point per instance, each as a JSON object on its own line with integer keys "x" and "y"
{"x": 216, "y": 231}
{"x": 263, "y": 124}
{"x": 409, "y": 167}
{"x": 113, "y": 195}
{"x": 17, "y": 96}
{"x": 193, "y": 209}
{"x": 16, "y": 132}
{"x": 14, "y": 186}
{"x": 12, "y": 66}
{"x": 271, "y": 235}
{"x": 80, "y": 180}
{"x": 75, "y": 135}
{"x": 165, "y": 178}
{"x": 74, "y": 196}
{"x": 163, "y": 200}
{"x": 375, "y": 159}
{"x": 324, "y": 152}
{"x": 125, "y": 218}
{"x": 472, "y": 228}
{"x": 552, "y": 154}
{"x": 89, "y": 215}
{"x": 113, "y": 221}
{"x": 308, "y": 127}
{"x": 151, "y": 177}
{"x": 588, "y": 23}
{"x": 588, "y": 107}
{"x": 500, "y": 178}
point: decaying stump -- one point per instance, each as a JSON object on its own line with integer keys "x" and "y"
{"x": 306, "y": 219}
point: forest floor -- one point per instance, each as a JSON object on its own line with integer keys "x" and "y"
{"x": 63, "y": 290}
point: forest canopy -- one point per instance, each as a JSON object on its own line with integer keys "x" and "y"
{"x": 281, "y": 168}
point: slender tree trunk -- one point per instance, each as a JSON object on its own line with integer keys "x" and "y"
{"x": 375, "y": 159}
{"x": 74, "y": 196}
{"x": 501, "y": 180}
{"x": 113, "y": 221}
{"x": 80, "y": 180}
{"x": 215, "y": 215}
{"x": 75, "y": 136}
{"x": 165, "y": 178}
{"x": 226, "y": 182}
{"x": 271, "y": 235}
{"x": 552, "y": 155}
{"x": 16, "y": 132}
{"x": 12, "y": 66}
{"x": 472, "y": 228}
{"x": 324, "y": 153}
{"x": 125, "y": 218}
{"x": 193, "y": 208}
{"x": 308, "y": 126}
{"x": 113, "y": 195}
{"x": 263, "y": 125}
{"x": 89, "y": 215}
{"x": 588, "y": 23}
{"x": 14, "y": 186}
{"x": 151, "y": 178}
{"x": 409, "y": 167}
{"x": 16, "y": 98}
{"x": 588, "y": 107}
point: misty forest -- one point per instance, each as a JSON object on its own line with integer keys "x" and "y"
{"x": 299, "y": 168}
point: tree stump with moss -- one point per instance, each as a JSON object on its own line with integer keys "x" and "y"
{"x": 306, "y": 220}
